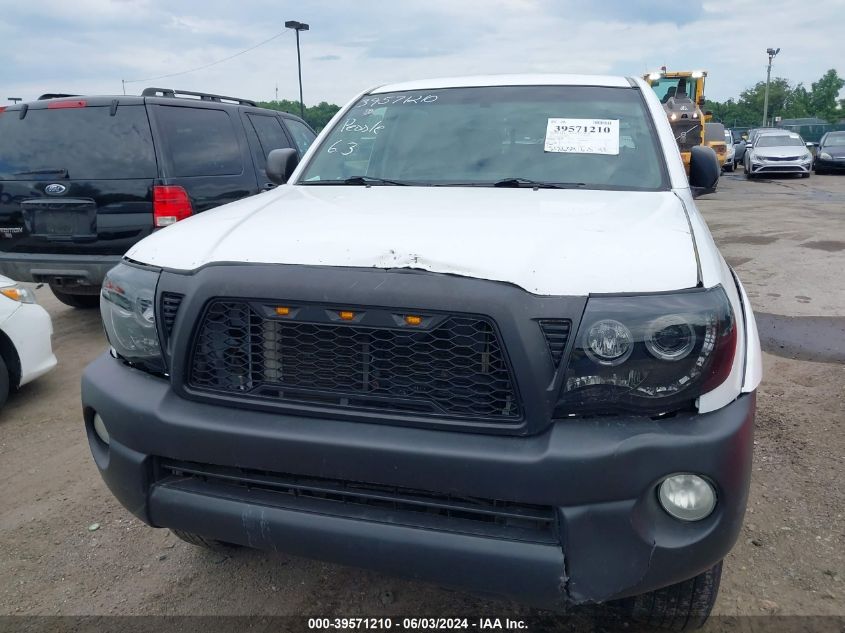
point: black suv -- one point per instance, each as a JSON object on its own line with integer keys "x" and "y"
{"x": 83, "y": 178}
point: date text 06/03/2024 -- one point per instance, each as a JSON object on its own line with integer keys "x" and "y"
{"x": 482, "y": 624}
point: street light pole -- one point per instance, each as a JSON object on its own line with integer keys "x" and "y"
{"x": 14, "y": 99}
{"x": 298, "y": 26}
{"x": 772, "y": 52}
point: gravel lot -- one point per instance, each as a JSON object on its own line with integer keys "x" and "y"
{"x": 786, "y": 238}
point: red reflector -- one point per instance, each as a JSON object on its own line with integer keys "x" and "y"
{"x": 170, "y": 204}
{"x": 59, "y": 105}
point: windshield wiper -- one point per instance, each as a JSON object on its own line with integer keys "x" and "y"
{"x": 358, "y": 180}
{"x": 44, "y": 172}
{"x": 527, "y": 182}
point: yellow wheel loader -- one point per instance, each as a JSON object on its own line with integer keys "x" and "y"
{"x": 682, "y": 96}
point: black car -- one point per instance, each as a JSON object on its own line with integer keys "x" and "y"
{"x": 82, "y": 178}
{"x": 830, "y": 155}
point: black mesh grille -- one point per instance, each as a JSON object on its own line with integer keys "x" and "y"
{"x": 170, "y": 302}
{"x": 456, "y": 368}
{"x": 557, "y": 334}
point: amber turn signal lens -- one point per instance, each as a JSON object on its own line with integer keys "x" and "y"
{"x": 346, "y": 315}
{"x": 282, "y": 310}
{"x": 412, "y": 319}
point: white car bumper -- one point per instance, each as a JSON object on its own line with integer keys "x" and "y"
{"x": 780, "y": 166}
{"x": 30, "y": 328}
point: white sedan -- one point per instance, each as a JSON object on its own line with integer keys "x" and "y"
{"x": 25, "y": 331}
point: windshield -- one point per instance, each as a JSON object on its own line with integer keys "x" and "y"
{"x": 667, "y": 87}
{"x": 835, "y": 140}
{"x": 779, "y": 140}
{"x": 584, "y": 136}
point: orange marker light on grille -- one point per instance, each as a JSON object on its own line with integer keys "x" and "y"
{"x": 413, "y": 319}
{"x": 282, "y": 310}
{"x": 346, "y": 315}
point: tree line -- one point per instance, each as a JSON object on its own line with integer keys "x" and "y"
{"x": 316, "y": 116}
{"x": 786, "y": 100}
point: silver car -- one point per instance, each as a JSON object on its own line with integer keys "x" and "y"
{"x": 784, "y": 153}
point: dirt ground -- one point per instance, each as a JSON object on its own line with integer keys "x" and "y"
{"x": 786, "y": 239}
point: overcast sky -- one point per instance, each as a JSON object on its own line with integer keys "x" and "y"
{"x": 88, "y": 46}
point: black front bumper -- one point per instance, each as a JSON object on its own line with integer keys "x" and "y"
{"x": 829, "y": 165}
{"x": 610, "y": 538}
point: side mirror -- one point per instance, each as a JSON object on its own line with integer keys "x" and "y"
{"x": 810, "y": 145}
{"x": 280, "y": 164}
{"x": 703, "y": 170}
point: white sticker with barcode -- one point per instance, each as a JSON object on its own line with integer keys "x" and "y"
{"x": 582, "y": 136}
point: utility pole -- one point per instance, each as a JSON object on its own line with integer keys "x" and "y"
{"x": 298, "y": 26}
{"x": 123, "y": 81}
{"x": 772, "y": 52}
{"x": 277, "y": 92}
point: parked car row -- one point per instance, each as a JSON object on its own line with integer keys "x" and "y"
{"x": 83, "y": 178}
{"x": 777, "y": 151}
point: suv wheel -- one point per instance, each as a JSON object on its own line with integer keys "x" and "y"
{"x": 679, "y": 607}
{"x": 76, "y": 300}
{"x": 201, "y": 541}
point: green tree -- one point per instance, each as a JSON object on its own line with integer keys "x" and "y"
{"x": 825, "y": 94}
{"x": 317, "y": 116}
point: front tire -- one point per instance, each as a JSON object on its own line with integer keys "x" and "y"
{"x": 201, "y": 541}
{"x": 680, "y": 607}
{"x": 84, "y": 302}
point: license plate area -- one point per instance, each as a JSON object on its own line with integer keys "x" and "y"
{"x": 69, "y": 219}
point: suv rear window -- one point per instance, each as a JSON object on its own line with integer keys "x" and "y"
{"x": 199, "y": 142}
{"x": 87, "y": 143}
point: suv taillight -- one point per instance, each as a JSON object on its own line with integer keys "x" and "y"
{"x": 170, "y": 204}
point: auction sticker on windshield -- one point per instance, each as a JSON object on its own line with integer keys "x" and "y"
{"x": 582, "y": 136}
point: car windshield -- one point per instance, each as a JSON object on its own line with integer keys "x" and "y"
{"x": 579, "y": 136}
{"x": 779, "y": 140}
{"x": 835, "y": 140}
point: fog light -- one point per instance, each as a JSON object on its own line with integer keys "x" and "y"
{"x": 687, "y": 497}
{"x": 100, "y": 429}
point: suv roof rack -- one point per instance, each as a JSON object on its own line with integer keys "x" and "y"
{"x": 54, "y": 95}
{"x": 203, "y": 96}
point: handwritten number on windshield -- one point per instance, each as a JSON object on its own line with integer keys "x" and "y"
{"x": 343, "y": 150}
{"x": 395, "y": 100}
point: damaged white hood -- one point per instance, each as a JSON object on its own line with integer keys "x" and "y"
{"x": 549, "y": 241}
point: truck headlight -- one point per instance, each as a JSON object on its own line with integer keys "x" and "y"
{"x": 127, "y": 305}
{"x": 648, "y": 354}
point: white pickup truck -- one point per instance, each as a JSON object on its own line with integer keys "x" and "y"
{"x": 480, "y": 335}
